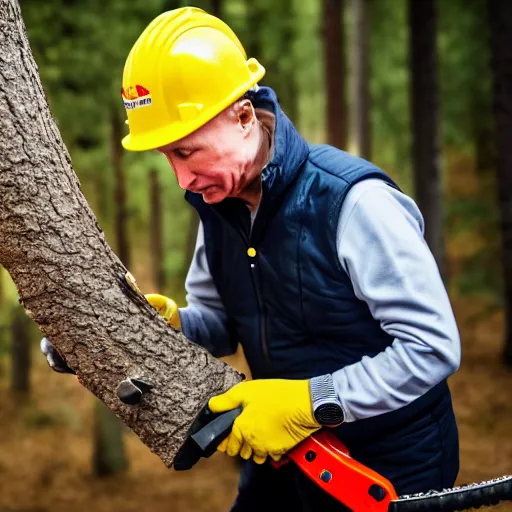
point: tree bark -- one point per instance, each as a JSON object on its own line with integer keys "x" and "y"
{"x": 424, "y": 102}
{"x": 69, "y": 280}
{"x": 334, "y": 65}
{"x": 500, "y": 19}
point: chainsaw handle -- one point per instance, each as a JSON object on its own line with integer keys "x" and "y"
{"x": 327, "y": 462}
{"x": 208, "y": 430}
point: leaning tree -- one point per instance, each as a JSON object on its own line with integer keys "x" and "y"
{"x": 69, "y": 280}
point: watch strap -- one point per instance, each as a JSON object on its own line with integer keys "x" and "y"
{"x": 322, "y": 391}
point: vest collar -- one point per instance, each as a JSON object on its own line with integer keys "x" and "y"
{"x": 289, "y": 150}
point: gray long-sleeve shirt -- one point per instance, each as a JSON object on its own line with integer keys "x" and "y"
{"x": 381, "y": 246}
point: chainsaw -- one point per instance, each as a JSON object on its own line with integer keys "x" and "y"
{"x": 327, "y": 461}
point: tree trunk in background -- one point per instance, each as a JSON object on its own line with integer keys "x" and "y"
{"x": 279, "y": 59}
{"x": 3, "y": 327}
{"x": 108, "y": 452}
{"x": 334, "y": 59}
{"x": 217, "y": 8}
{"x": 255, "y": 12}
{"x": 102, "y": 189}
{"x": 289, "y": 90}
{"x": 108, "y": 449}
{"x": 20, "y": 352}
{"x": 2, "y": 287}
{"x": 121, "y": 212}
{"x": 424, "y": 103}
{"x": 156, "y": 231}
{"x": 483, "y": 134}
{"x": 70, "y": 281}
{"x": 500, "y": 19}
{"x": 360, "y": 104}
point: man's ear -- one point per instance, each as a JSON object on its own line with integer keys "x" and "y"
{"x": 245, "y": 115}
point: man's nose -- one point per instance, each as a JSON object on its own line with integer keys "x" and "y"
{"x": 183, "y": 174}
{"x": 185, "y": 177}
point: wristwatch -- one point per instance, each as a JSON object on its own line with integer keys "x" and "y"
{"x": 327, "y": 408}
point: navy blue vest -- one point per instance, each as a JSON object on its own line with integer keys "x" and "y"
{"x": 292, "y": 306}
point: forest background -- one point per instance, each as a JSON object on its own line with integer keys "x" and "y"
{"x": 407, "y": 84}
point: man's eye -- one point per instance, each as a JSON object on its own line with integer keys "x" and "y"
{"x": 183, "y": 153}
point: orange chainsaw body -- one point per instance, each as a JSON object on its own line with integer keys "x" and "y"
{"x": 327, "y": 461}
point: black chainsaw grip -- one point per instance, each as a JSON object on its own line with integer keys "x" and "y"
{"x": 459, "y": 498}
{"x": 207, "y": 432}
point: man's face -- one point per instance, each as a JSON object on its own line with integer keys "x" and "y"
{"x": 215, "y": 160}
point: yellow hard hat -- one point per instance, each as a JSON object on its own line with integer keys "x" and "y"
{"x": 184, "y": 69}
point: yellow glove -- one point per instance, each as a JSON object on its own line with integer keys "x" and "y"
{"x": 166, "y": 307}
{"x": 277, "y": 415}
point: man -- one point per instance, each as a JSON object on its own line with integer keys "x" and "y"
{"x": 311, "y": 258}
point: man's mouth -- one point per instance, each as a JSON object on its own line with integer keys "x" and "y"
{"x": 206, "y": 189}
{"x": 199, "y": 190}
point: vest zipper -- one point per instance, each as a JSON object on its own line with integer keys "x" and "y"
{"x": 263, "y": 323}
{"x": 251, "y": 252}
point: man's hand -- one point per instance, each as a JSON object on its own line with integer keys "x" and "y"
{"x": 166, "y": 307}
{"x": 277, "y": 415}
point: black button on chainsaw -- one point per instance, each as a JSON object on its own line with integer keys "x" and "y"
{"x": 310, "y": 456}
{"x": 377, "y": 492}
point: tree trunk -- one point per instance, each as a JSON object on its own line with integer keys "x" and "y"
{"x": 20, "y": 352}
{"x": 500, "y": 19}
{"x": 69, "y": 280}
{"x": 2, "y": 288}
{"x": 360, "y": 104}
{"x": 334, "y": 60}
{"x": 217, "y": 8}
{"x": 254, "y": 17}
{"x": 4, "y": 342}
{"x": 424, "y": 100}
{"x": 108, "y": 452}
{"x": 287, "y": 66}
{"x": 155, "y": 228}
{"x": 109, "y": 455}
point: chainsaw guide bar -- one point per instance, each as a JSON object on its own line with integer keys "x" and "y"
{"x": 464, "y": 497}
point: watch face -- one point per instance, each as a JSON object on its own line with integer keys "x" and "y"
{"x": 329, "y": 415}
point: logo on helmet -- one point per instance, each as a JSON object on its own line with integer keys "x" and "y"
{"x": 135, "y": 96}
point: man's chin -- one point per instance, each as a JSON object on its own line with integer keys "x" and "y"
{"x": 214, "y": 196}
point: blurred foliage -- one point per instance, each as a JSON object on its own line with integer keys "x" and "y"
{"x": 80, "y": 48}
{"x": 472, "y": 210}
{"x": 60, "y": 415}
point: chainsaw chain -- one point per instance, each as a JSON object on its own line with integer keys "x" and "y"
{"x": 463, "y": 497}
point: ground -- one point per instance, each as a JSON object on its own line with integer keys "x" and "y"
{"x": 45, "y": 446}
